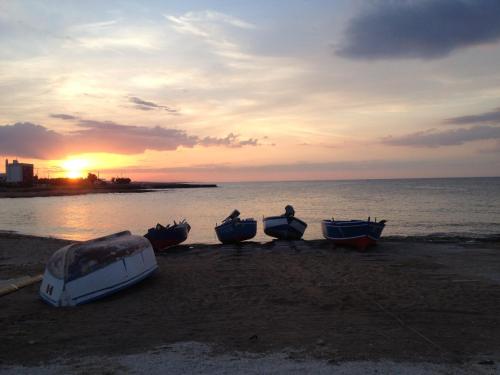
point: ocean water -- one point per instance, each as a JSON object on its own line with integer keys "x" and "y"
{"x": 447, "y": 207}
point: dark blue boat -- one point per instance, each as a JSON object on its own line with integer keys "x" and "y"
{"x": 357, "y": 233}
{"x": 233, "y": 229}
{"x": 163, "y": 237}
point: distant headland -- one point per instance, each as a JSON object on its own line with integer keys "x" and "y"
{"x": 90, "y": 185}
{"x": 19, "y": 181}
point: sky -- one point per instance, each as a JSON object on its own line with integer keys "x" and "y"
{"x": 251, "y": 90}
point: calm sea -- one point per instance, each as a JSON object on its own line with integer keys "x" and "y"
{"x": 460, "y": 206}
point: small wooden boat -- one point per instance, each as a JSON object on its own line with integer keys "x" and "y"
{"x": 286, "y": 226}
{"x": 164, "y": 237}
{"x": 233, "y": 229}
{"x": 356, "y": 233}
{"x": 82, "y": 272}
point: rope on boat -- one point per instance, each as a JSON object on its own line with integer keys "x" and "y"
{"x": 23, "y": 282}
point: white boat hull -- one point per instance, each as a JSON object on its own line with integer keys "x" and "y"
{"x": 109, "y": 279}
{"x": 286, "y": 228}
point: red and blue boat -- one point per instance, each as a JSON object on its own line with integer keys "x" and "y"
{"x": 163, "y": 237}
{"x": 234, "y": 230}
{"x": 360, "y": 234}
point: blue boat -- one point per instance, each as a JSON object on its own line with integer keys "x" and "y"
{"x": 164, "y": 237}
{"x": 286, "y": 226}
{"x": 233, "y": 229}
{"x": 356, "y": 233}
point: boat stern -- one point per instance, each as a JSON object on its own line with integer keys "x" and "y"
{"x": 52, "y": 290}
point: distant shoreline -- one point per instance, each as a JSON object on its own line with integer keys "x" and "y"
{"x": 57, "y": 191}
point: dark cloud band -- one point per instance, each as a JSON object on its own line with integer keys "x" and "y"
{"x": 423, "y": 29}
{"x": 492, "y": 117}
{"x": 485, "y": 128}
{"x": 145, "y": 105}
{"x": 63, "y": 116}
{"x": 453, "y": 137}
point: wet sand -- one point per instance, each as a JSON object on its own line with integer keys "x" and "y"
{"x": 404, "y": 301}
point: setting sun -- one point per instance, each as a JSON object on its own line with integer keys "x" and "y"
{"x": 75, "y": 168}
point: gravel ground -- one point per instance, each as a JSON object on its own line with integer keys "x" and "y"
{"x": 196, "y": 358}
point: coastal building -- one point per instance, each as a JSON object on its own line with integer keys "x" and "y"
{"x": 18, "y": 173}
{"x": 2, "y": 177}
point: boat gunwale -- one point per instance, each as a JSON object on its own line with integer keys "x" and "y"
{"x": 352, "y": 223}
{"x": 242, "y": 221}
{"x": 284, "y": 217}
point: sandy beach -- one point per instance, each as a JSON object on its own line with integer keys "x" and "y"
{"x": 407, "y": 302}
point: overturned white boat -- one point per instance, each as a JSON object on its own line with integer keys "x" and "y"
{"x": 286, "y": 226}
{"x": 82, "y": 272}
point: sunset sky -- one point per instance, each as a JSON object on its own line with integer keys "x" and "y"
{"x": 251, "y": 90}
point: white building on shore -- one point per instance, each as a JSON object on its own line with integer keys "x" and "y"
{"x": 18, "y": 173}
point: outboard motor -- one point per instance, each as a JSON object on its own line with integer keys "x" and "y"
{"x": 289, "y": 211}
{"x": 235, "y": 214}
